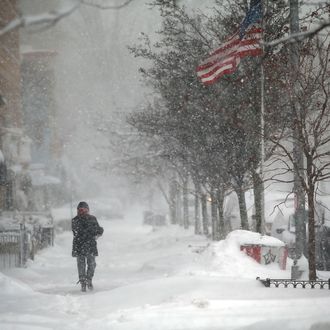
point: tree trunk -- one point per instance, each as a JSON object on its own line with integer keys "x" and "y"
{"x": 221, "y": 223}
{"x": 311, "y": 236}
{"x": 242, "y": 209}
{"x": 173, "y": 201}
{"x": 205, "y": 215}
{"x": 179, "y": 205}
{"x": 258, "y": 201}
{"x": 198, "y": 230}
{"x": 214, "y": 215}
{"x": 311, "y": 222}
{"x": 185, "y": 202}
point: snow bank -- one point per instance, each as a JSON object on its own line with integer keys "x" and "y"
{"x": 243, "y": 237}
{"x": 229, "y": 260}
{"x": 165, "y": 278}
{"x": 10, "y": 286}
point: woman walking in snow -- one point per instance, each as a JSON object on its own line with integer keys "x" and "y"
{"x": 85, "y": 230}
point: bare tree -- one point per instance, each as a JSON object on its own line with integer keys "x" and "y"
{"x": 313, "y": 126}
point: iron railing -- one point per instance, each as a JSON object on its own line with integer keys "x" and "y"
{"x": 22, "y": 243}
{"x": 10, "y": 249}
{"x": 287, "y": 283}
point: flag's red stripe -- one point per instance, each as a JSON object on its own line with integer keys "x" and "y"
{"x": 217, "y": 60}
{"x": 216, "y": 64}
{"x": 251, "y": 52}
{"x": 225, "y": 59}
{"x": 230, "y": 51}
{"x": 216, "y": 68}
{"x": 219, "y": 75}
{"x": 235, "y": 40}
{"x": 216, "y": 57}
{"x": 229, "y": 45}
{"x": 217, "y": 71}
{"x": 247, "y": 48}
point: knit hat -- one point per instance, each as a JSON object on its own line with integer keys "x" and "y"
{"x": 82, "y": 205}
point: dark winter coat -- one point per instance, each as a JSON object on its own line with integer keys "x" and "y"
{"x": 85, "y": 229}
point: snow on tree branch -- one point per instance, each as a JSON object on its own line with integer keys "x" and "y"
{"x": 52, "y": 17}
{"x": 92, "y": 3}
{"x": 296, "y": 37}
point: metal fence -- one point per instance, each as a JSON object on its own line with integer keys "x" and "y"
{"x": 9, "y": 249}
{"x": 19, "y": 245}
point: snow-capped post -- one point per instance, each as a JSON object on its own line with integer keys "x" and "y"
{"x": 298, "y": 160}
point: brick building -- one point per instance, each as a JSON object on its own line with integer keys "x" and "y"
{"x": 10, "y": 103}
{"x": 15, "y": 154}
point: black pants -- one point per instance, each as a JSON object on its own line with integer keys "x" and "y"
{"x": 84, "y": 273}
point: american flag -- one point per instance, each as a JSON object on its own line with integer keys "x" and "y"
{"x": 225, "y": 59}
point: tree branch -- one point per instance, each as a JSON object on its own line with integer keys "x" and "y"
{"x": 297, "y": 37}
{"x": 50, "y": 18}
{"x": 102, "y": 6}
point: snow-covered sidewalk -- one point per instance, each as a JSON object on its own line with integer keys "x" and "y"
{"x": 164, "y": 279}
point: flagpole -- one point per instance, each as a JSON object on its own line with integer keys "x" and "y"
{"x": 262, "y": 148}
{"x": 262, "y": 124}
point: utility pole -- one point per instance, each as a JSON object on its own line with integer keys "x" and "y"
{"x": 298, "y": 159}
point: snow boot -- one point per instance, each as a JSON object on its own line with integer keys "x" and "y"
{"x": 90, "y": 284}
{"x": 83, "y": 286}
